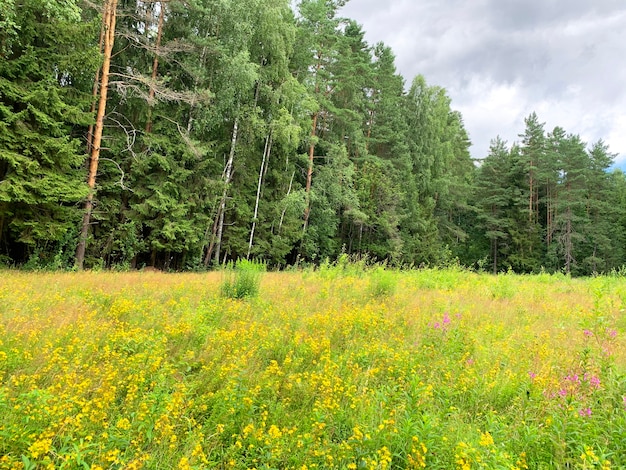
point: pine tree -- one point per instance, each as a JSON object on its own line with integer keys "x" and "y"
{"x": 374, "y": 228}
{"x": 317, "y": 50}
{"x": 493, "y": 202}
{"x": 108, "y": 36}
{"x": 570, "y": 218}
{"x": 604, "y": 239}
{"x": 530, "y": 156}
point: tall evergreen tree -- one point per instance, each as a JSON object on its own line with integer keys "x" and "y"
{"x": 530, "y": 156}
{"x": 494, "y": 201}
{"x": 316, "y": 51}
{"x": 571, "y": 214}
{"x": 604, "y": 238}
{"x": 45, "y": 75}
{"x": 375, "y": 227}
{"x": 107, "y": 35}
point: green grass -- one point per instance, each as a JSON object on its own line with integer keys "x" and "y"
{"x": 345, "y": 367}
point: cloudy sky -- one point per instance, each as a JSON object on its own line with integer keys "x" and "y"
{"x": 500, "y": 60}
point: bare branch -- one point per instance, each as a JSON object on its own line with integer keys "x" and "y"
{"x": 162, "y": 93}
{"x": 121, "y": 181}
{"x": 185, "y": 136}
{"x": 131, "y": 134}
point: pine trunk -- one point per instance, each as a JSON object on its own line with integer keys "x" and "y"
{"x": 309, "y": 173}
{"x": 531, "y": 195}
{"x": 94, "y": 91}
{"x": 109, "y": 19}
{"x": 155, "y": 67}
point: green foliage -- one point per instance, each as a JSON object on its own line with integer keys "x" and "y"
{"x": 316, "y": 372}
{"x": 391, "y": 177}
{"x": 242, "y": 279}
{"x": 8, "y": 27}
{"x": 441, "y": 171}
{"x": 538, "y": 204}
{"x": 344, "y": 266}
{"x": 383, "y": 282}
{"x": 42, "y": 111}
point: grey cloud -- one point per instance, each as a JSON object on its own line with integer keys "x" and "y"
{"x": 564, "y": 56}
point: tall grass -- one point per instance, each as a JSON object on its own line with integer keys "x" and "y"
{"x": 420, "y": 369}
{"x": 242, "y": 279}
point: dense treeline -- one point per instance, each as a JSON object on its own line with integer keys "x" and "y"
{"x": 240, "y": 128}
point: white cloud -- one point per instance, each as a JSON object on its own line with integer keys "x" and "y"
{"x": 500, "y": 60}
{"x": 494, "y": 109}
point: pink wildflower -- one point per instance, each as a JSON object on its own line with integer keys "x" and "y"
{"x": 585, "y": 412}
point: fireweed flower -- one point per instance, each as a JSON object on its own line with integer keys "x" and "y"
{"x": 573, "y": 378}
{"x": 594, "y": 382}
{"x": 585, "y": 412}
{"x": 587, "y": 333}
{"x": 444, "y": 322}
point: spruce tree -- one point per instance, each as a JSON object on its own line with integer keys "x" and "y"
{"x": 45, "y": 72}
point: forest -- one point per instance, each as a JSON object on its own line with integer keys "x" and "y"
{"x": 182, "y": 134}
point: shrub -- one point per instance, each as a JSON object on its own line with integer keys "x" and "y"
{"x": 382, "y": 282}
{"x": 242, "y": 280}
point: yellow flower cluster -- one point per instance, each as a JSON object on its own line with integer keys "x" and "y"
{"x": 450, "y": 369}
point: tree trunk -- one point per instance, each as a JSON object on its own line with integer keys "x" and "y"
{"x": 568, "y": 242}
{"x": 370, "y": 123}
{"x": 218, "y": 226}
{"x": 568, "y": 232}
{"x": 155, "y": 67}
{"x": 1, "y": 223}
{"x": 94, "y": 91}
{"x": 109, "y": 39}
{"x": 495, "y": 255}
{"x": 266, "y": 154}
{"x": 531, "y": 192}
{"x": 309, "y": 173}
{"x": 548, "y": 215}
{"x": 282, "y": 215}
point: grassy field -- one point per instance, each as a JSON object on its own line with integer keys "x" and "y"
{"x": 337, "y": 368}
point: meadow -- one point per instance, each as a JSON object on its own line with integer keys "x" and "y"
{"x": 338, "y": 368}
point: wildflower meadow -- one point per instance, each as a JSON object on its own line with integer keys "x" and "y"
{"x": 335, "y": 368}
